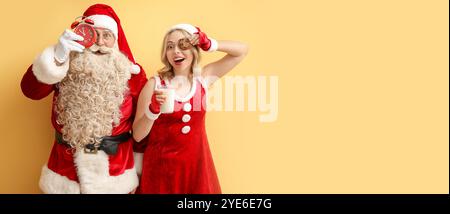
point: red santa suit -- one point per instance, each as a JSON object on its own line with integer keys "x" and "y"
{"x": 177, "y": 159}
{"x": 79, "y": 172}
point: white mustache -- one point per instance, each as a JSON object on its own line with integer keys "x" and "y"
{"x": 102, "y": 49}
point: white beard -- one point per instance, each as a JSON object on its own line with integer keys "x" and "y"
{"x": 90, "y": 96}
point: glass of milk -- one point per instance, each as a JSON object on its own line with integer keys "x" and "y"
{"x": 168, "y": 106}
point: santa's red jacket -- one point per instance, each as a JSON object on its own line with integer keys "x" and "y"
{"x": 79, "y": 172}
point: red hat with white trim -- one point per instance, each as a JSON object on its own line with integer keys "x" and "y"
{"x": 105, "y": 17}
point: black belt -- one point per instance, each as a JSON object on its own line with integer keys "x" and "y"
{"x": 108, "y": 144}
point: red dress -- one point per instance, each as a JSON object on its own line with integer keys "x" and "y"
{"x": 177, "y": 158}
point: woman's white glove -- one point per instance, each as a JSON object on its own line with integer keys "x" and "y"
{"x": 66, "y": 44}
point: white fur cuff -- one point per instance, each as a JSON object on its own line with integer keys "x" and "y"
{"x": 150, "y": 115}
{"x": 45, "y": 68}
{"x": 214, "y": 45}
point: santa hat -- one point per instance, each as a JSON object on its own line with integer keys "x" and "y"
{"x": 187, "y": 27}
{"x": 105, "y": 17}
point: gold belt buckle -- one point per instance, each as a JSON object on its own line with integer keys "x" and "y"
{"x": 91, "y": 151}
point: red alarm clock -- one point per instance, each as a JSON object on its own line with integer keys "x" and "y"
{"x": 85, "y": 29}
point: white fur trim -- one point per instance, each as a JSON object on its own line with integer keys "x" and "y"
{"x": 187, "y": 27}
{"x": 105, "y": 21}
{"x": 53, "y": 183}
{"x": 150, "y": 115}
{"x": 135, "y": 69}
{"x": 214, "y": 45}
{"x": 138, "y": 158}
{"x": 45, "y": 68}
{"x": 189, "y": 95}
{"x": 94, "y": 177}
{"x": 204, "y": 82}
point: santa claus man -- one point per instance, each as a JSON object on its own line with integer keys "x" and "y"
{"x": 95, "y": 94}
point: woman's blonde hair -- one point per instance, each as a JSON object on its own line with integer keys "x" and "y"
{"x": 167, "y": 70}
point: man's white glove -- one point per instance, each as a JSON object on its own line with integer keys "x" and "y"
{"x": 66, "y": 44}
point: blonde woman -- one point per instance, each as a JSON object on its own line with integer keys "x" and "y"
{"x": 177, "y": 158}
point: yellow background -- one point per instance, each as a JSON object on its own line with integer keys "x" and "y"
{"x": 363, "y": 90}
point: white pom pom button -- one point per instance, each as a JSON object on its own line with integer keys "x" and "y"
{"x": 187, "y": 107}
{"x": 186, "y": 118}
{"x": 186, "y": 129}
